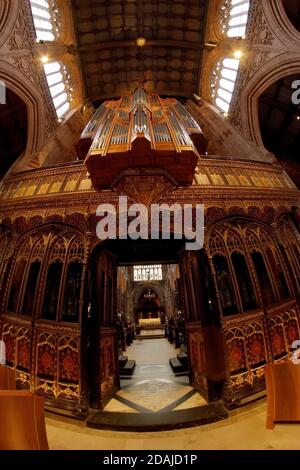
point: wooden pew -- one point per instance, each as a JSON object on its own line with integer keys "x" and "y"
{"x": 22, "y": 421}
{"x": 283, "y": 393}
{"x": 7, "y": 378}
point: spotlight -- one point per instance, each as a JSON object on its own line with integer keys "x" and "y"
{"x": 44, "y": 59}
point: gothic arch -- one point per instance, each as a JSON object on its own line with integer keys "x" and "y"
{"x": 275, "y": 69}
{"x": 8, "y": 15}
{"x": 281, "y": 24}
{"x": 159, "y": 291}
{"x": 34, "y": 102}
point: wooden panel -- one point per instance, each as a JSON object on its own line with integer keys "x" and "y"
{"x": 7, "y": 378}
{"x": 197, "y": 357}
{"x": 247, "y": 352}
{"x": 22, "y": 421}
{"x": 57, "y": 362}
{"x": 109, "y": 381}
{"x": 17, "y": 337}
{"x": 283, "y": 385}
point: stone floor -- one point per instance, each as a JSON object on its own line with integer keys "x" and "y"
{"x": 150, "y": 333}
{"x": 155, "y": 388}
{"x": 244, "y": 429}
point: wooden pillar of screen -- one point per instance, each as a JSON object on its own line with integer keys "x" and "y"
{"x": 105, "y": 371}
{"x": 206, "y": 347}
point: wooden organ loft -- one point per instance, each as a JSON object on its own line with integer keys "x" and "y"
{"x": 138, "y": 131}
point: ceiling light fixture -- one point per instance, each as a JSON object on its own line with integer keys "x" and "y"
{"x": 238, "y": 54}
{"x": 140, "y": 42}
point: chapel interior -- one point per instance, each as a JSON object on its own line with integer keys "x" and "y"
{"x": 140, "y": 341}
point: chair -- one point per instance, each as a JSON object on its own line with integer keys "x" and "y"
{"x": 7, "y": 378}
{"x": 283, "y": 393}
{"x": 22, "y": 421}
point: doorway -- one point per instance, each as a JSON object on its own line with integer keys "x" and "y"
{"x": 147, "y": 302}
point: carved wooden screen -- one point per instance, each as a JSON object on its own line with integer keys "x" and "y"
{"x": 247, "y": 257}
{"x": 274, "y": 263}
{"x": 73, "y": 278}
{"x": 263, "y": 278}
{"x": 53, "y": 279}
{"x": 20, "y": 264}
{"x": 244, "y": 281}
{"x": 32, "y": 278}
{"x": 6, "y": 266}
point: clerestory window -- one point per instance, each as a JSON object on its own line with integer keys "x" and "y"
{"x": 148, "y": 273}
{"x": 60, "y": 87}
{"x": 46, "y": 18}
{"x": 223, "y": 82}
{"x": 234, "y": 18}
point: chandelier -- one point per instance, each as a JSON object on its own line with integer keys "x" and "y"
{"x": 150, "y": 295}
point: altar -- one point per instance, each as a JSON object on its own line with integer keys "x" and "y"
{"x": 149, "y": 323}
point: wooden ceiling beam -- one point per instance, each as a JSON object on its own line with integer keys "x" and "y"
{"x": 112, "y": 96}
{"x": 98, "y": 46}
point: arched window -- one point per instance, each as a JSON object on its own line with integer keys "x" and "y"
{"x": 30, "y": 290}
{"x": 263, "y": 278}
{"x": 148, "y": 273}
{"x": 244, "y": 281}
{"x": 46, "y": 19}
{"x": 228, "y": 301}
{"x": 59, "y": 81}
{"x": 278, "y": 274}
{"x": 234, "y": 18}
{"x": 53, "y": 280}
{"x": 223, "y": 82}
{"x": 72, "y": 292}
{"x": 52, "y": 291}
{"x": 13, "y": 300}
